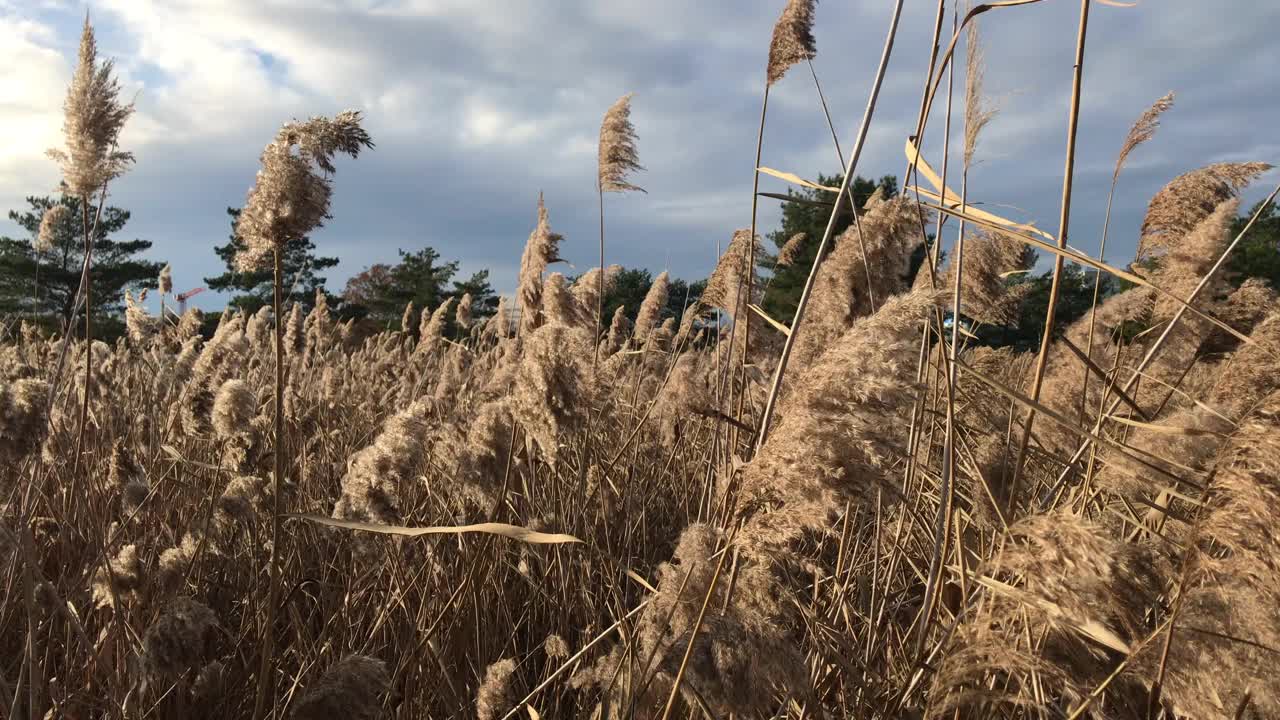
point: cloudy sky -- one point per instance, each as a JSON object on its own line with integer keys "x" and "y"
{"x": 477, "y": 105}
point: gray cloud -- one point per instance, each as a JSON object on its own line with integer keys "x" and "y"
{"x": 477, "y": 106}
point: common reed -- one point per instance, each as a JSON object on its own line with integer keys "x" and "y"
{"x": 586, "y": 524}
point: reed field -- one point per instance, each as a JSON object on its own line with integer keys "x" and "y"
{"x": 856, "y": 512}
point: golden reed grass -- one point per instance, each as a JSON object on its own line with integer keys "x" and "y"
{"x": 1123, "y": 566}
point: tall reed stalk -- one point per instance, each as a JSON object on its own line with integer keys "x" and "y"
{"x": 1064, "y": 221}
{"x": 849, "y": 171}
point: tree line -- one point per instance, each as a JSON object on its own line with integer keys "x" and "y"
{"x": 40, "y": 273}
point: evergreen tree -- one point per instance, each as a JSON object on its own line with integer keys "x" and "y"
{"x": 382, "y": 291}
{"x": 302, "y": 268}
{"x": 1075, "y": 296}
{"x": 1258, "y": 254}
{"x": 40, "y": 277}
{"x": 807, "y": 211}
{"x": 632, "y": 284}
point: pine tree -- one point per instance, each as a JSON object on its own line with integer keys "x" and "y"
{"x": 302, "y": 271}
{"x": 807, "y": 211}
{"x": 39, "y": 275}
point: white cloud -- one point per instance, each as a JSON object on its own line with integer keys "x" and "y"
{"x": 31, "y": 93}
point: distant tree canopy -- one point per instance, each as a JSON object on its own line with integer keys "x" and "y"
{"x": 808, "y": 212}
{"x": 252, "y": 290}
{"x": 42, "y": 283}
{"x": 381, "y": 292}
{"x": 1258, "y": 254}
{"x": 632, "y": 284}
{"x": 1075, "y": 297}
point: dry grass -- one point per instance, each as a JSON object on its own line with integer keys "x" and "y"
{"x": 890, "y": 550}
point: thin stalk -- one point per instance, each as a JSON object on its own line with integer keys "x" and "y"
{"x": 853, "y": 206}
{"x": 595, "y": 360}
{"x": 1097, "y": 287}
{"x": 268, "y": 636}
{"x": 87, "y": 284}
{"x": 942, "y": 521}
{"x": 75, "y": 307}
{"x": 1063, "y": 227}
{"x": 693, "y": 636}
{"x": 831, "y": 221}
{"x": 751, "y": 258}
{"x": 933, "y": 258}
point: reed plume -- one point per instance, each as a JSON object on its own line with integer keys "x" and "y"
{"x": 1222, "y": 650}
{"x": 619, "y": 327}
{"x": 792, "y": 39}
{"x": 93, "y": 117}
{"x": 551, "y": 397}
{"x": 463, "y": 315}
{"x": 50, "y": 221}
{"x": 558, "y": 305}
{"x": 371, "y": 486}
{"x": 496, "y": 695}
{"x": 24, "y": 416}
{"x": 616, "y": 160}
{"x": 790, "y": 251}
{"x": 500, "y": 323}
{"x": 725, "y": 287}
{"x": 165, "y": 280}
{"x": 233, "y": 409}
{"x": 352, "y": 688}
{"x": 1144, "y": 128}
{"x": 139, "y": 325}
{"x": 618, "y": 157}
{"x": 839, "y": 430}
{"x": 431, "y": 333}
{"x": 870, "y": 262}
{"x": 592, "y": 287}
{"x": 541, "y": 250}
{"x": 1190, "y": 198}
{"x": 119, "y": 579}
{"x": 977, "y": 112}
{"x": 1074, "y": 588}
{"x": 179, "y": 640}
{"x": 740, "y": 659}
{"x": 655, "y": 300}
{"x": 124, "y": 474}
{"x": 989, "y": 257}
{"x": 290, "y": 198}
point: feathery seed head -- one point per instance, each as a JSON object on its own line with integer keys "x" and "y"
{"x": 166, "y": 279}
{"x": 93, "y": 119}
{"x": 619, "y": 326}
{"x": 463, "y": 315}
{"x": 352, "y": 688}
{"x": 49, "y": 222}
{"x": 1189, "y": 199}
{"x": 977, "y": 113}
{"x": 233, "y": 409}
{"x": 495, "y": 695}
{"x": 123, "y": 578}
{"x": 651, "y": 309}
{"x": 406, "y": 320}
{"x": 289, "y": 198}
{"x": 558, "y": 305}
{"x": 181, "y": 639}
{"x": 791, "y": 250}
{"x": 23, "y": 415}
{"x": 618, "y": 156}
{"x": 1143, "y": 130}
{"x": 541, "y": 250}
{"x": 792, "y": 39}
